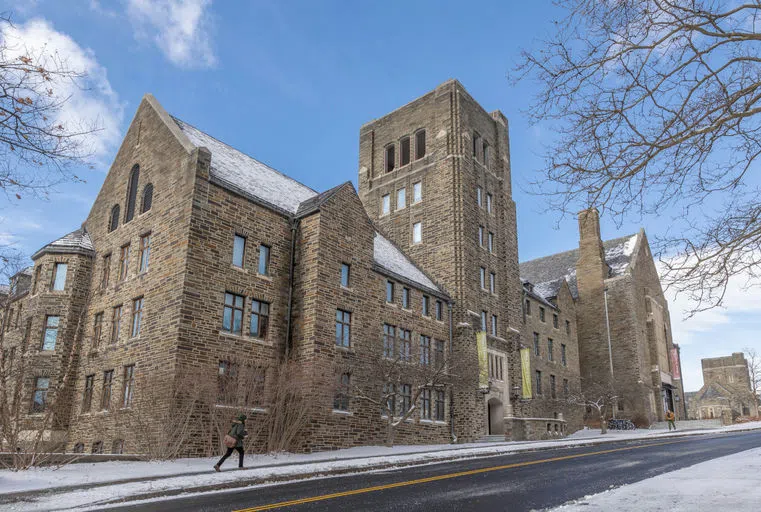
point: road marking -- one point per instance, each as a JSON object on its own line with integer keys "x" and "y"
{"x": 447, "y": 476}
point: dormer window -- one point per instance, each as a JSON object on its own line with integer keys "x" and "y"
{"x": 390, "y": 157}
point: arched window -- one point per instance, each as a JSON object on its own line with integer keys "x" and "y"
{"x": 113, "y": 223}
{"x": 134, "y": 176}
{"x": 147, "y": 198}
{"x": 79, "y": 448}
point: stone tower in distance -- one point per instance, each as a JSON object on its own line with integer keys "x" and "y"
{"x": 434, "y": 175}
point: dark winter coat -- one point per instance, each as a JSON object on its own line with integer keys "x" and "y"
{"x": 237, "y": 430}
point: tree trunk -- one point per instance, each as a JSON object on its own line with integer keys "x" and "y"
{"x": 603, "y": 424}
{"x": 390, "y": 433}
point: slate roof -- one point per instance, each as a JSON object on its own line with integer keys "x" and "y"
{"x": 77, "y": 241}
{"x": 547, "y": 273}
{"x": 390, "y": 257}
{"x": 313, "y": 204}
{"x": 241, "y": 173}
{"x": 715, "y": 390}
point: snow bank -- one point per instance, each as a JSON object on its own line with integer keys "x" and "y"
{"x": 727, "y": 483}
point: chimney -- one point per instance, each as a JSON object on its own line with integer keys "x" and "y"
{"x": 591, "y": 267}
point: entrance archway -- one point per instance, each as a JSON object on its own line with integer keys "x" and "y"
{"x": 496, "y": 417}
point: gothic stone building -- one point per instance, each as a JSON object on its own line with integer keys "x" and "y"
{"x": 198, "y": 261}
{"x": 618, "y": 297}
{"x": 726, "y": 391}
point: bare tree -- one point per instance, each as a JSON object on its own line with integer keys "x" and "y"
{"x": 397, "y": 384}
{"x": 600, "y": 396}
{"x": 29, "y": 438}
{"x": 37, "y": 148}
{"x": 655, "y": 106}
{"x": 754, "y": 371}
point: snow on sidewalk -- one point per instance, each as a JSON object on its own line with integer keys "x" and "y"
{"x": 727, "y": 483}
{"x": 99, "y": 482}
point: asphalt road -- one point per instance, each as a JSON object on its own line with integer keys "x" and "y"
{"x": 514, "y": 483}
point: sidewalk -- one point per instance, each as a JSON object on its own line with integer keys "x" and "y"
{"x": 97, "y": 484}
{"x": 727, "y": 483}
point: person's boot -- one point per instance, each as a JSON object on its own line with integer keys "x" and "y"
{"x": 216, "y": 468}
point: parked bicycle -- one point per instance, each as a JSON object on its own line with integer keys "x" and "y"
{"x": 621, "y": 425}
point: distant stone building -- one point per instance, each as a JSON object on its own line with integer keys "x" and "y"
{"x": 618, "y": 297}
{"x": 726, "y": 391}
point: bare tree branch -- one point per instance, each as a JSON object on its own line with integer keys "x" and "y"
{"x": 656, "y": 103}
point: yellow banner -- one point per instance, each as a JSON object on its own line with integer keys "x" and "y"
{"x": 526, "y": 371}
{"x": 483, "y": 360}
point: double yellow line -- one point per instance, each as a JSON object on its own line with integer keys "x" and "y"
{"x": 447, "y": 476}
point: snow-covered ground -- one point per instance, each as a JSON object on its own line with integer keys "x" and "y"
{"x": 157, "y": 477}
{"x": 727, "y": 483}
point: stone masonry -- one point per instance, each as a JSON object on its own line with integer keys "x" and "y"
{"x": 201, "y": 274}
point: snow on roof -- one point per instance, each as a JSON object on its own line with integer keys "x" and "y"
{"x": 546, "y": 272}
{"x": 79, "y": 238}
{"x": 390, "y": 257}
{"x": 245, "y": 174}
{"x": 76, "y": 241}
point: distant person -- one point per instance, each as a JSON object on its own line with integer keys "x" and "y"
{"x": 671, "y": 418}
{"x": 234, "y": 441}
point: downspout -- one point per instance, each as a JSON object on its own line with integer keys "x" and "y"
{"x": 610, "y": 349}
{"x": 288, "y": 342}
{"x": 451, "y": 389}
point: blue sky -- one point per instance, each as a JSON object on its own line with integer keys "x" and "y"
{"x": 291, "y": 82}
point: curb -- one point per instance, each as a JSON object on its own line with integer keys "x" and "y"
{"x": 28, "y": 495}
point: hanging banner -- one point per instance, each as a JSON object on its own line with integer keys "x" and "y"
{"x": 483, "y": 362}
{"x": 526, "y": 372}
{"x": 675, "y": 364}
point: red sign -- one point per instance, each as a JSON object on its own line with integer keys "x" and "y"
{"x": 675, "y": 364}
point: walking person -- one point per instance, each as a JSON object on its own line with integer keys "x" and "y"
{"x": 234, "y": 441}
{"x": 671, "y": 418}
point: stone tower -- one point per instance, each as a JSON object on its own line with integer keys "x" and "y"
{"x": 434, "y": 175}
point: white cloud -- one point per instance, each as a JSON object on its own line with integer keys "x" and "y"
{"x": 180, "y": 28}
{"x": 717, "y": 332}
{"x": 91, "y": 102}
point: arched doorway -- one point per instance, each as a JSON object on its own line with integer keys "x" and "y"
{"x": 496, "y": 417}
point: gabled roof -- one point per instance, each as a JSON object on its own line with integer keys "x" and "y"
{"x": 78, "y": 242}
{"x": 547, "y": 273}
{"x": 313, "y": 204}
{"x": 389, "y": 257}
{"x": 714, "y": 390}
{"x": 243, "y": 174}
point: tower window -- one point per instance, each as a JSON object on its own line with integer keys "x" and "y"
{"x": 417, "y": 192}
{"x": 386, "y": 204}
{"x": 476, "y": 145}
{"x": 404, "y": 151}
{"x": 417, "y": 233}
{"x": 390, "y": 157}
{"x": 401, "y": 198}
{"x": 419, "y": 144}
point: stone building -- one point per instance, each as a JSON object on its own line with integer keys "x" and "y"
{"x": 726, "y": 391}
{"x": 553, "y": 367}
{"x": 624, "y": 328}
{"x": 199, "y": 272}
{"x": 450, "y": 207}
